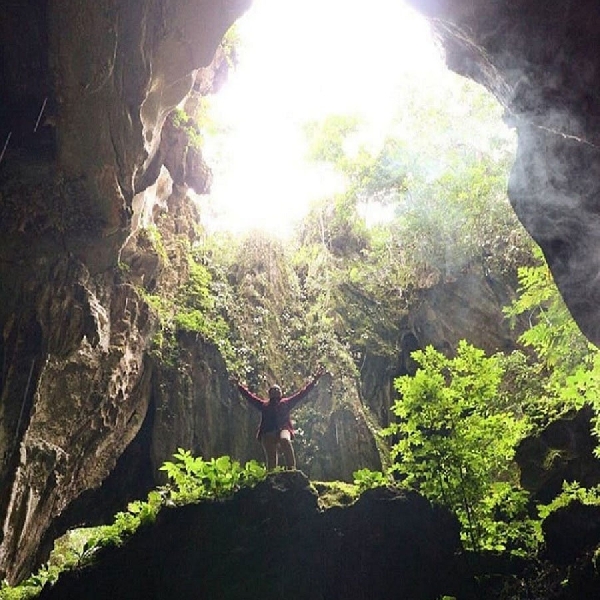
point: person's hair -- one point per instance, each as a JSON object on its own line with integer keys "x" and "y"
{"x": 274, "y": 390}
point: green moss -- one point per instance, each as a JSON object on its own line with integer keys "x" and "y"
{"x": 335, "y": 493}
{"x": 184, "y": 122}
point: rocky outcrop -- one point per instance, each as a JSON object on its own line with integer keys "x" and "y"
{"x": 537, "y": 59}
{"x": 570, "y": 532}
{"x": 196, "y": 407}
{"x": 468, "y": 307}
{"x": 97, "y": 82}
{"x": 563, "y": 451}
{"x": 273, "y": 541}
{"x": 124, "y": 67}
{"x": 74, "y": 395}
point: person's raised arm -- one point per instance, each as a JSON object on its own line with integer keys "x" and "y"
{"x": 253, "y": 399}
{"x": 292, "y": 400}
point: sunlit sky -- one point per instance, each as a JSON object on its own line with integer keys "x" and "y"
{"x": 298, "y": 62}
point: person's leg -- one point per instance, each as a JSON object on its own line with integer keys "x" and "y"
{"x": 269, "y": 443}
{"x": 285, "y": 443}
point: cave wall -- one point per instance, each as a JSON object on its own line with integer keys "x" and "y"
{"x": 540, "y": 60}
{"x": 74, "y": 395}
{"x": 84, "y": 92}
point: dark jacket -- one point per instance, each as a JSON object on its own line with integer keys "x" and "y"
{"x": 275, "y": 415}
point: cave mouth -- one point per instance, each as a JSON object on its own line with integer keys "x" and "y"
{"x": 381, "y": 66}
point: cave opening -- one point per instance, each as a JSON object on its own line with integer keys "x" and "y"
{"x": 404, "y": 193}
{"x": 381, "y": 68}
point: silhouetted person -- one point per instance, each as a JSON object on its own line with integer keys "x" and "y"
{"x": 275, "y": 431}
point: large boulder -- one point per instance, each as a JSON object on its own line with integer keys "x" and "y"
{"x": 274, "y": 541}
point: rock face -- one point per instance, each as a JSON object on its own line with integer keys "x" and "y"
{"x": 97, "y": 82}
{"x": 74, "y": 395}
{"x": 563, "y": 451}
{"x": 85, "y": 91}
{"x": 537, "y": 59}
{"x": 571, "y": 531}
{"x": 218, "y": 550}
{"x": 469, "y": 307}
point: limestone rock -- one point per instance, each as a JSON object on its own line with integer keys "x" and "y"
{"x": 563, "y": 451}
{"x": 83, "y": 401}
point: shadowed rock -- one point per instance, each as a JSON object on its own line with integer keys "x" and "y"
{"x": 272, "y": 542}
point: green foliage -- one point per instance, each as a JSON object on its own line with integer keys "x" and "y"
{"x": 28, "y": 589}
{"x": 196, "y": 306}
{"x": 453, "y": 445}
{"x": 336, "y": 225}
{"x": 328, "y": 138}
{"x": 181, "y": 120}
{"x": 335, "y": 493}
{"x": 566, "y": 363}
{"x": 505, "y": 523}
{"x": 446, "y": 186}
{"x": 194, "y": 479}
{"x": 366, "y": 479}
{"x": 571, "y": 492}
{"x": 553, "y": 333}
{"x": 151, "y": 236}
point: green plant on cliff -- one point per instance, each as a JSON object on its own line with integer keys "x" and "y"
{"x": 567, "y": 363}
{"x": 31, "y": 587}
{"x": 456, "y": 448}
{"x": 260, "y": 297}
{"x": 152, "y": 237}
{"x": 571, "y": 492}
{"x": 194, "y": 306}
{"x": 366, "y": 479}
{"x": 186, "y": 123}
{"x": 193, "y": 478}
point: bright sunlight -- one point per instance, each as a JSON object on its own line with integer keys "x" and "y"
{"x": 300, "y": 62}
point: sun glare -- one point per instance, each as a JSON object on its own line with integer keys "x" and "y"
{"x": 300, "y": 62}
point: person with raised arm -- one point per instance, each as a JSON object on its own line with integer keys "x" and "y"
{"x": 276, "y": 431}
